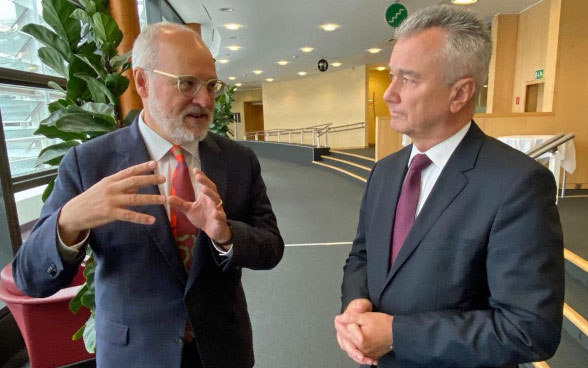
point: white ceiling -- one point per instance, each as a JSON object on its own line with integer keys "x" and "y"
{"x": 276, "y": 29}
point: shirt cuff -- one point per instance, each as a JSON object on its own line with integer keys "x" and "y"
{"x": 70, "y": 254}
{"x": 221, "y": 251}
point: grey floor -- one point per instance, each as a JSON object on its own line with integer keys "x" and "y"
{"x": 292, "y": 306}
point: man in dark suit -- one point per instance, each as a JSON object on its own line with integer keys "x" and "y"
{"x": 458, "y": 258}
{"x": 172, "y": 214}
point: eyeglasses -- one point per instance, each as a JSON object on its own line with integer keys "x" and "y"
{"x": 189, "y": 85}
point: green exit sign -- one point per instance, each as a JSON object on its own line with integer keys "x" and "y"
{"x": 539, "y": 74}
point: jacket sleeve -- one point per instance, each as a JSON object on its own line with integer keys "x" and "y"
{"x": 257, "y": 243}
{"x": 38, "y": 269}
{"x": 525, "y": 273}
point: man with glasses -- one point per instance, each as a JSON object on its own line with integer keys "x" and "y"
{"x": 172, "y": 214}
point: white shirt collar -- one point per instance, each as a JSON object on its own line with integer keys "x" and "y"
{"x": 441, "y": 152}
{"x": 159, "y": 146}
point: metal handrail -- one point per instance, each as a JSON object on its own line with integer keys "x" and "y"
{"x": 317, "y": 132}
{"x": 553, "y": 145}
{"x": 545, "y": 144}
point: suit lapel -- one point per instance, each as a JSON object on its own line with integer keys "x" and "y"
{"x": 215, "y": 168}
{"x": 136, "y": 153}
{"x": 384, "y": 215}
{"x": 450, "y": 183}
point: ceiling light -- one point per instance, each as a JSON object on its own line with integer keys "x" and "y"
{"x": 223, "y": 61}
{"x": 257, "y": 72}
{"x": 282, "y": 62}
{"x": 301, "y": 74}
{"x": 381, "y": 68}
{"x": 374, "y": 50}
{"x": 329, "y": 27}
{"x": 226, "y": 9}
{"x": 233, "y": 26}
{"x": 238, "y": 84}
{"x": 306, "y": 49}
{"x": 336, "y": 64}
{"x": 234, "y": 47}
{"x": 269, "y": 79}
{"x": 463, "y": 2}
{"x": 232, "y": 78}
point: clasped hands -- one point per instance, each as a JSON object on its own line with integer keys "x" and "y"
{"x": 364, "y": 335}
{"x": 109, "y": 199}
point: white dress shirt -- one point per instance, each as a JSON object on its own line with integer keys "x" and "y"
{"x": 159, "y": 151}
{"x": 439, "y": 155}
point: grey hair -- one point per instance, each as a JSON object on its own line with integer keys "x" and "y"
{"x": 468, "y": 46}
{"x": 146, "y": 46}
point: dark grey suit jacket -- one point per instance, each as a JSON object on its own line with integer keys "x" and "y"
{"x": 143, "y": 293}
{"x": 479, "y": 280}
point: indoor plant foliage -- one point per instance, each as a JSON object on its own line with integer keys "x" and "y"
{"x": 81, "y": 47}
{"x": 222, "y": 113}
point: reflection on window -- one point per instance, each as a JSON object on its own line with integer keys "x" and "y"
{"x": 22, "y": 109}
{"x": 18, "y": 50}
{"x": 142, "y": 13}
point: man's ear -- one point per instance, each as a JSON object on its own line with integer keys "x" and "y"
{"x": 462, "y": 93}
{"x": 141, "y": 82}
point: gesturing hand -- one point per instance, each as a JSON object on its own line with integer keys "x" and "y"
{"x": 206, "y": 212}
{"x": 349, "y": 332}
{"x": 106, "y": 201}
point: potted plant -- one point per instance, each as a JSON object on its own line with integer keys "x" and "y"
{"x": 222, "y": 113}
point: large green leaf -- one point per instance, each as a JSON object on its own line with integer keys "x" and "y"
{"x": 101, "y": 5}
{"x": 89, "y": 6}
{"x": 53, "y": 59}
{"x": 48, "y": 128}
{"x": 56, "y": 13}
{"x": 97, "y": 89}
{"x": 48, "y": 38}
{"x": 95, "y": 62}
{"x": 56, "y": 87}
{"x": 120, "y": 60}
{"x": 53, "y": 154}
{"x": 79, "y": 333}
{"x": 90, "y": 335}
{"x": 130, "y": 117}
{"x": 56, "y": 105}
{"x": 107, "y": 31}
{"x": 117, "y": 83}
{"x": 100, "y": 110}
{"x": 76, "y": 87}
{"x": 87, "y": 48}
{"x": 82, "y": 15}
{"x": 82, "y": 122}
{"x": 76, "y": 302}
{"x": 48, "y": 189}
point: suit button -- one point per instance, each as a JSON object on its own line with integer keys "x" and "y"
{"x": 180, "y": 340}
{"x": 52, "y": 270}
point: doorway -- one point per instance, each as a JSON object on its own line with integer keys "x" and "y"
{"x": 253, "y": 117}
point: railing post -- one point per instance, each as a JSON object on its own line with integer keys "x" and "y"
{"x": 314, "y": 137}
{"x": 279, "y": 131}
{"x": 256, "y": 136}
{"x": 302, "y": 137}
{"x": 327, "y": 138}
{"x": 290, "y": 137}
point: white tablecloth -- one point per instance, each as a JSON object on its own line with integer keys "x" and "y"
{"x": 525, "y": 143}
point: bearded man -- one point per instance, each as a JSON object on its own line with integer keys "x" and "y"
{"x": 172, "y": 214}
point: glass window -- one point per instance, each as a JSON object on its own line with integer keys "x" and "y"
{"x": 142, "y": 13}
{"x": 22, "y": 110}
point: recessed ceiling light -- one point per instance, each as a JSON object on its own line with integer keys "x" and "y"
{"x": 226, "y": 9}
{"x": 301, "y": 74}
{"x": 223, "y": 61}
{"x": 234, "y": 47}
{"x": 463, "y": 2}
{"x": 257, "y": 72}
{"x": 374, "y": 50}
{"x": 282, "y": 62}
{"x": 269, "y": 79}
{"x": 233, "y": 26}
{"x": 306, "y": 49}
{"x": 380, "y": 68}
{"x": 238, "y": 84}
{"x": 336, "y": 64}
{"x": 232, "y": 78}
{"x": 329, "y": 27}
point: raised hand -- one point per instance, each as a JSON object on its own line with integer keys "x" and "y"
{"x": 106, "y": 201}
{"x": 206, "y": 212}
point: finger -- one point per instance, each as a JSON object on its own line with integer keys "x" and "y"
{"x": 125, "y": 200}
{"x": 347, "y": 318}
{"x": 211, "y": 194}
{"x": 134, "y": 170}
{"x": 179, "y": 203}
{"x": 135, "y": 182}
{"x": 344, "y": 332}
{"x": 361, "y": 305}
{"x": 353, "y": 352}
{"x": 204, "y": 180}
{"x": 132, "y": 216}
{"x": 356, "y": 333}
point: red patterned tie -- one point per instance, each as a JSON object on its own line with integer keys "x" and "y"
{"x": 407, "y": 204}
{"x": 183, "y": 230}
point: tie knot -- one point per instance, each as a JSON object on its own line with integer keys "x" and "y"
{"x": 420, "y": 162}
{"x": 178, "y": 153}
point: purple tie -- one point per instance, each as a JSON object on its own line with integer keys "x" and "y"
{"x": 407, "y": 204}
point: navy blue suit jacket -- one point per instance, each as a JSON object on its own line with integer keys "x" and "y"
{"x": 479, "y": 280}
{"x": 143, "y": 293}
